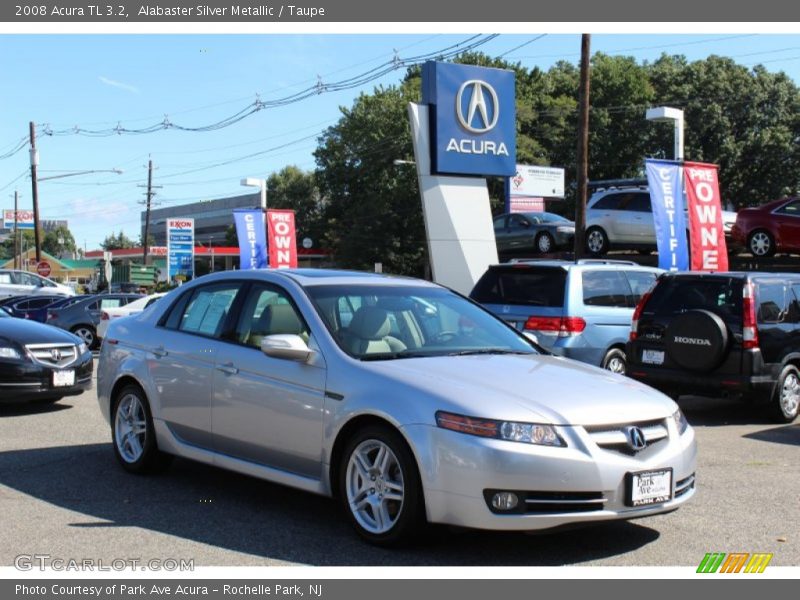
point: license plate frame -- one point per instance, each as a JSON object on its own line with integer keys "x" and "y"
{"x": 653, "y": 357}
{"x": 636, "y": 497}
{"x": 63, "y": 378}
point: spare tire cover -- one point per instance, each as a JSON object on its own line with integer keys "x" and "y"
{"x": 697, "y": 340}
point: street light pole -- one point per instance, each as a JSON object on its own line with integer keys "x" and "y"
{"x": 665, "y": 114}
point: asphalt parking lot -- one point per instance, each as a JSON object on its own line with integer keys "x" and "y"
{"x": 63, "y": 494}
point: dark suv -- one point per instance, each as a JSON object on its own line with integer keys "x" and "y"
{"x": 721, "y": 334}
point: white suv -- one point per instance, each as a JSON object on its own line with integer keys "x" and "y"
{"x": 23, "y": 283}
{"x": 622, "y": 217}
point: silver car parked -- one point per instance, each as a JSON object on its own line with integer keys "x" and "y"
{"x": 399, "y": 397}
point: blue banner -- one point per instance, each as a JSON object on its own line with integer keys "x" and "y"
{"x": 665, "y": 180}
{"x": 252, "y": 238}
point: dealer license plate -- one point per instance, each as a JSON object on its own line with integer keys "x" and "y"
{"x": 63, "y": 378}
{"x": 650, "y": 487}
{"x": 653, "y": 357}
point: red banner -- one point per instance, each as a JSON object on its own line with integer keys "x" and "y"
{"x": 282, "y": 242}
{"x": 708, "y": 249}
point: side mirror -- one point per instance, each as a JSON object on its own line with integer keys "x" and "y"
{"x": 287, "y": 346}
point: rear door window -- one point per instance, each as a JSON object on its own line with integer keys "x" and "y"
{"x": 608, "y": 202}
{"x": 605, "y": 288}
{"x": 771, "y": 303}
{"x": 522, "y": 285}
{"x": 206, "y": 311}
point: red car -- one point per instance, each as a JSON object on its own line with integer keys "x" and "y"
{"x": 773, "y": 227}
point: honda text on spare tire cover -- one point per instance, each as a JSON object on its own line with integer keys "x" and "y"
{"x": 721, "y": 334}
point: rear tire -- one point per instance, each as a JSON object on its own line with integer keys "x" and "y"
{"x": 786, "y": 398}
{"x": 545, "y": 243}
{"x": 133, "y": 435}
{"x": 761, "y": 244}
{"x": 87, "y": 333}
{"x": 380, "y": 487}
{"x": 615, "y": 361}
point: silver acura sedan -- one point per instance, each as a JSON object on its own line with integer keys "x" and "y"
{"x": 402, "y": 399}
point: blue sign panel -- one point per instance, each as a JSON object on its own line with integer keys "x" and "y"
{"x": 472, "y": 119}
{"x": 180, "y": 248}
{"x": 252, "y": 238}
{"x": 665, "y": 180}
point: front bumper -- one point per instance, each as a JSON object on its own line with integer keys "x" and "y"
{"x": 457, "y": 469}
{"x": 26, "y": 381}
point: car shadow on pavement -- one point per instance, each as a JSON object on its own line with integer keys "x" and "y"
{"x": 31, "y": 408}
{"x": 713, "y": 412}
{"x": 271, "y": 522}
{"x": 786, "y": 434}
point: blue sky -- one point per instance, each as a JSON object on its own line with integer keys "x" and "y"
{"x": 99, "y": 81}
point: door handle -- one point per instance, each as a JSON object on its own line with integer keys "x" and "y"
{"x": 159, "y": 352}
{"x": 228, "y": 369}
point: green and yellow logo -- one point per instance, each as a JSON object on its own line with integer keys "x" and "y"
{"x": 737, "y": 562}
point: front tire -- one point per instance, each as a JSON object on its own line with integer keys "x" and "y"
{"x": 786, "y": 399}
{"x": 615, "y": 361}
{"x": 596, "y": 241}
{"x": 545, "y": 243}
{"x": 87, "y": 333}
{"x": 133, "y": 434}
{"x": 380, "y": 487}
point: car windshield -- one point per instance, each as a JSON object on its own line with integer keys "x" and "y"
{"x": 376, "y": 322}
{"x": 553, "y": 218}
{"x": 4, "y": 314}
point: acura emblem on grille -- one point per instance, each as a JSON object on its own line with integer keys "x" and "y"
{"x": 635, "y": 437}
{"x": 55, "y": 354}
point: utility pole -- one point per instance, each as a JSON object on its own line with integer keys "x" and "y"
{"x": 35, "y": 187}
{"x": 16, "y": 230}
{"x": 583, "y": 149}
{"x": 148, "y": 202}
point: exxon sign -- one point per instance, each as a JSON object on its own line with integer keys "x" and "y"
{"x": 472, "y": 119}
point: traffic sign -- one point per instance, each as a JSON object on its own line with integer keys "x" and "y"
{"x": 43, "y": 268}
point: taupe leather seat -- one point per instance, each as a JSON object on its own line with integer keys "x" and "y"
{"x": 275, "y": 319}
{"x": 368, "y": 333}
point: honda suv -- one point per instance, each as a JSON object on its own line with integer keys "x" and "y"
{"x": 720, "y": 334}
{"x": 579, "y": 310}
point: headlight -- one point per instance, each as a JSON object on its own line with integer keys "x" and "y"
{"x": 527, "y": 433}
{"x": 9, "y": 353}
{"x": 82, "y": 349}
{"x": 680, "y": 421}
{"x": 565, "y": 229}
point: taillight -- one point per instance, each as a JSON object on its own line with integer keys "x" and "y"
{"x": 558, "y": 326}
{"x": 749, "y": 329}
{"x": 51, "y": 314}
{"x": 637, "y": 313}
{"x": 104, "y": 316}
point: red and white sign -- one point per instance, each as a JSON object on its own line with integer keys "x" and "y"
{"x": 282, "y": 242}
{"x": 24, "y": 219}
{"x": 43, "y": 268}
{"x": 523, "y": 204}
{"x": 709, "y": 252}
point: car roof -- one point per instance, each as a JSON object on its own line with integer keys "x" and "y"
{"x": 310, "y": 277}
{"x": 581, "y": 264}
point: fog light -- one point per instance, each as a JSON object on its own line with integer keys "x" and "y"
{"x": 505, "y": 501}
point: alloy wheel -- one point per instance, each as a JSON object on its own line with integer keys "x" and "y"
{"x": 130, "y": 428}
{"x": 760, "y": 244}
{"x": 374, "y": 486}
{"x": 790, "y": 395}
{"x": 595, "y": 241}
{"x": 616, "y": 365}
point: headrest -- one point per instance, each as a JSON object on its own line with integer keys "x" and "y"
{"x": 370, "y": 323}
{"x": 282, "y": 318}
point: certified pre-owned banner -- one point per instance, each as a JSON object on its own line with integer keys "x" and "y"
{"x": 282, "y": 242}
{"x": 252, "y": 238}
{"x": 709, "y": 252}
{"x": 666, "y": 196}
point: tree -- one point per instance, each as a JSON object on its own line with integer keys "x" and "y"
{"x": 59, "y": 241}
{"x": 295, "y": 189}
{"x": 116, "y": 242}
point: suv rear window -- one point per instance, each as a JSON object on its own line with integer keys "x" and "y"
{"x": 720, "y": 295}
{"x": 522, "y": 285}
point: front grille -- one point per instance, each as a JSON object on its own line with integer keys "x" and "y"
{"x": 614, "y": 437}
{"x": 684, "y": 485}
{"x": 551, "y": 502}
{"x": 53, "y": 355}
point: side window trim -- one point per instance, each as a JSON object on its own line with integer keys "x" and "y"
{"x": 236, "y": 313}
{"x": 179, "y": 306}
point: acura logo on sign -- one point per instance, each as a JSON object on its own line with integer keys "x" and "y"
{"x": 635, "y": 438}
{"x": 478, "y": 91}
{"x": 55, "y": 354}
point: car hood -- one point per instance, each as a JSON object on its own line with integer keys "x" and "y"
{"x": 535, "y": 388}
{"x": 26, "y": 332}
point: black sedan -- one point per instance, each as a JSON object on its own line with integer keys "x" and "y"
{"x": 540, "y": 233}
{"x": 41, "y": 363}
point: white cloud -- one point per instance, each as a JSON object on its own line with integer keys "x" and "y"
{"x": 120, "y": 85}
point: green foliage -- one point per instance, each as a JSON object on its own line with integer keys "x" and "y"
{"x": 116, "y": 242}
{"x": 58, "y": 242}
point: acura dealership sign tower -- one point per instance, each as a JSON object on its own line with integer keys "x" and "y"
{"x": 464, "y": 130}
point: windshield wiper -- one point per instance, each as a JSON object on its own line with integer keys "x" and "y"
{"x": 393, "y": 355}
{"x": 488, "y": 351}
